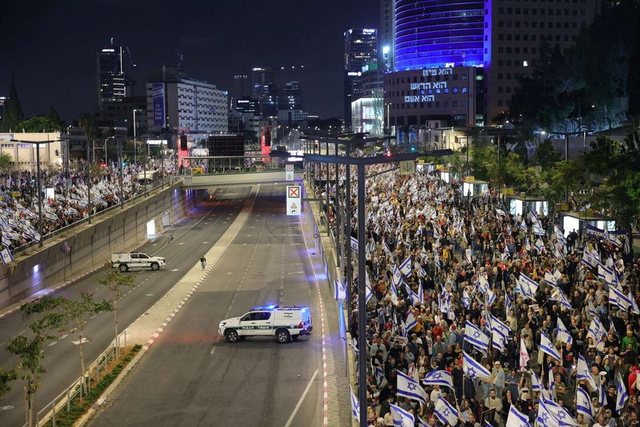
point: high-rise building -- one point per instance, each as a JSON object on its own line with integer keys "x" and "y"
{"x": 386, "y": 34}
{"x": 110, "y": 76}
{"x": 291, "y": 97}
{"x": 240, "y": 88}
{"x": 260, "y": 77}
{"x": 186, "y": 105}
{"x": 502, "y": 37}
{"x": 520, "y": 29}
{"x": 3, "y": 99}
{"x": 360, "y": 49}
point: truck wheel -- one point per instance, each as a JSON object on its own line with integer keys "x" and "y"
{"x": 231, "y": 335}
{"x": 155, "y": 266}
{"x": 283, "y": 336}
{"x": 123, "y": 268}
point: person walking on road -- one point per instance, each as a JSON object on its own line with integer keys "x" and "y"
{"x": 203, "y": 262}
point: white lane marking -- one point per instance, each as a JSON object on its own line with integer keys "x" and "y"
{"x": 205, "y": 242}
{"x": 77, "y": 342}
{"x": 52, "y": 343}
{"x": 304, "y": 394}
{"x": 174, "y": 269}
{"x": 213, "y": 350}
{"x": 180, "y": 243}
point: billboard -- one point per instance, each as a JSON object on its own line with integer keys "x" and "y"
{"x": 159, "y": 115}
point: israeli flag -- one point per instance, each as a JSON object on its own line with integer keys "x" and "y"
{"x": 547, "y": 346}
{"x": 394, "y": 293}
{"x": 401, "y": 418}
{"x": 559, "y": 414}
{"x": 623, "y": 396}
{"x": 550, "y": 280}
{"x": 386, "y": 248}
{"x": 539, "y": 245}
{"x": 473, "y": 369}
{"x": 634, "y": 304}
{"x": 380, "y": 378}
{"x": 355, "y": 406}
{"x": 397, "y": 276}
{"x": 583, "y": 373}
{"x": 405, "y": 267}
{"x": 596, "y": 330}
{"x": 589, "y": 260}
{"x": 499, "y": 327}
{"x": 447, "y": 414}
{"x": 409, "y": 388}
{"x": 498, "y": 340}
{"x": 529, "y": 282}
{"x": 474, "y": 336}
{"x": 439, "y": 377}
{"x": 583, "y": 403}
{"x": 563, "y": 333}
{"x": 466, "y": 299}
{"x": 605, "y": 273}
{"x": 410, "y": 322}
{"x": 537, "y": 229}
{"x": 508, "y": 303}
{"x": 489, "y": 298}
{"x": 368, "y": 294}
{"x": 354, "y": 244}
{"x": 6, "y": 256}
{"x": 602, "y": 395}
{"x": 517, "y": 418}
{"x": 560, "y": 235}
{"x": 559, "y": 296}
{"x": 617, "y": 297}
{"x": 535, "y": 382}
{"x": 591, "y": 310}
{"x": 523, "y": 225}
{"x": 423, "y": 423}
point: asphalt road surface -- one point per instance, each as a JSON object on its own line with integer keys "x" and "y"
{"x": 193, "y": 236}
{"x": 193, "y": 377}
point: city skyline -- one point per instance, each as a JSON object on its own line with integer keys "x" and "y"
{"x": 52, "y": 54}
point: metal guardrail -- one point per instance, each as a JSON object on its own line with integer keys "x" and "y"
{"x": 62, "y": 402}
{"x": 61, "y": 230}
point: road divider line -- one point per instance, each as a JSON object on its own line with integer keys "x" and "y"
{"x": 304, "y": 394}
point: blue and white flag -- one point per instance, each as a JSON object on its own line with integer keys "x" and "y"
{"x": 401, "y": 418}
{"x": 405, "y": 267}
{"x": 589, "y": 260}
{"x": 559, "y": 296}
{"x": 397, "y": 276}
{"x": 516, "y": 418}
{"x": 410, "y": 388}
{"x": 386, "y": 248}
{"x": 550, "y": 280}
{"x": 563, "y": 333}
{"x": 605, "y": 273}
{"x": 473, "y": 369}
{"x": 498, "y": 340}
{"x": 445, "y": 412}
{"x": 547, "y": 346}
{"x": 423, "y": 423}
{"x": 438, "y": 377}
{"x": 602, "y": 395}
{"x": 420, "y": 292}
{"x": 489, "y": 298}
{"x": 355, "y": 406}
{"x": 583, "y": 373}
{"x": 466, "y": 299}
{"x": 596, "y": 330}
{"x": 560, "y": 415}
{"x": 498, "y": 326}
{"x": 529, "y": 282}
{"x": 623, "y": 396}
{"x": 591, "y": 310}
{"x": 634, "y": 304}
{"x": 380, "y": 377}
{"x": 474, "y": 336}
{"x": 617, "y": 297}
{"x": 535, "y": 382}
{"x": 539, "y": 245}
{"x": 6, "y": 256}
{"x": 508, "y": 304}
{"x": 583, "y": 402}
{"x": 560, "y": 235}
{"x": 410, "y": 322}
{"x": 538, "y": 230}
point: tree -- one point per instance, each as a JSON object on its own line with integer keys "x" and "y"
{"x": 30, "y": 350}
{"x": 5, "y": 381}
{"x": 547, "y": 155}
{"x": 39, "y": 124}
{"x": 116, "y": 283}
{"x": 54, "y": 118}
{"x": 12, "y": 109}
{"x": 76, "y": 314}
{"x": 6, "y": 163}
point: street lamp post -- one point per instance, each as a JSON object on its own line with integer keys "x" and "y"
{"x": 135, "y": 136}
{"x": 39, "y": 179}
{"x": 120, "y": 173}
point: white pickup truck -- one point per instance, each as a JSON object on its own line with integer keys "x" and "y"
{"x": 125, "y": 261}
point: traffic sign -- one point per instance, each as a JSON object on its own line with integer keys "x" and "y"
{"x": 294, "y": 200}
{"x": 289, "y": 176}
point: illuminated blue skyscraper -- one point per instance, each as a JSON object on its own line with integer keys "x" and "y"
{"x": 441, "y": 33}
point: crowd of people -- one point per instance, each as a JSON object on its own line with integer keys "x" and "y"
{"x": 66, "y": 199}
{"x": 477, "y": 316}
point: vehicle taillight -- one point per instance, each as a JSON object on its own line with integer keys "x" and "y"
{"x": 301, "y": 325}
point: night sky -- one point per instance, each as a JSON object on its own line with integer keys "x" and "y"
{"x": 50, "y": 46}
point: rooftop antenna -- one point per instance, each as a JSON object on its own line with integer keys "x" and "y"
{"x": 111, "y": 41}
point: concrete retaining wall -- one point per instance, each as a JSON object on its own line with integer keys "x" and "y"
{"x": 88, "y": 246}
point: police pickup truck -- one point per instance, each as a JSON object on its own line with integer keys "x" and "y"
{"x": 282, "y": 322}
{"x": 126, "y": 261}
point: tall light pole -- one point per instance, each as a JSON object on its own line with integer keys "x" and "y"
{"x": 135, "y": 136}
{"x": 39, "y": 175}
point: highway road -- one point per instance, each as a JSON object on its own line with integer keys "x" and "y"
{"x": 192, "y": 377}
{"x": 193, "y": 236}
